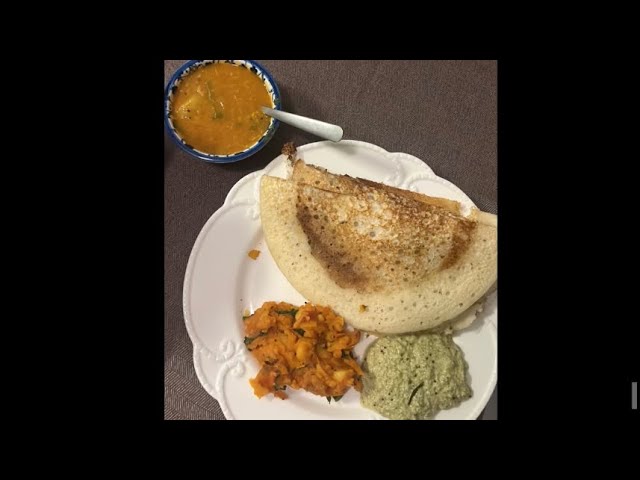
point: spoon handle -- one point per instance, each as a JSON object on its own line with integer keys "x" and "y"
{"x": 316, "y": 127}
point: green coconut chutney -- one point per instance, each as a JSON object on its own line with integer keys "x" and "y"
{"x": 412, "y": 377}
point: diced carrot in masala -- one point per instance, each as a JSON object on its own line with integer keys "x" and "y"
{"x": 303, "y": 347}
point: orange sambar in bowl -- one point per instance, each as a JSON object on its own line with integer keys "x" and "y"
{"x": 216, "y": 108}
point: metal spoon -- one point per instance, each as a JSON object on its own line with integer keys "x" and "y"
{"x": 316, "y": 127}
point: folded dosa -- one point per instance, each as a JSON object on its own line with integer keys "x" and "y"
{"x": 387, "y": 260}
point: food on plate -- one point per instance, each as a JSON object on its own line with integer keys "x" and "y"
{"x": 414, "y": 261}
{"x": 412, "y": 377}
{"x": 321, "y": 178}
{"x": 305, "y": 347}
{"x": 466, "y": 318}
{"x": 216, "y": 108}
{"x": 253, "y": 254}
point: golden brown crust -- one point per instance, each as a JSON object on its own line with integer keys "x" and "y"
{"x": 320, "y": 178}
{"x": 289, "y": 149}
{"x": 450, "y": 205}
{"x": 376, "y": 239}
{"x": 393, "y": 305}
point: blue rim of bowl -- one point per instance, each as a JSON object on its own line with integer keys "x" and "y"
{"x": 256, "y": 68}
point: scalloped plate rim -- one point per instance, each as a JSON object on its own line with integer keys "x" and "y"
{"x": 198, "y": 346}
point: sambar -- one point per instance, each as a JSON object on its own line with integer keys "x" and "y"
{"x": 216, "y": 108}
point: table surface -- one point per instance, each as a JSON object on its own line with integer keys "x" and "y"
{"x": 443, "y": 112}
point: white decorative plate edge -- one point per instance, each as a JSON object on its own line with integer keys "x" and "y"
{"x": 400, "y": 179}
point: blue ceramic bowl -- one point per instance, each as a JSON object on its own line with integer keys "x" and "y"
{"x": 187, "y": 68}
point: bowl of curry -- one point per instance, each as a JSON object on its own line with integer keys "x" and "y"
{"x": 212, "y": 109}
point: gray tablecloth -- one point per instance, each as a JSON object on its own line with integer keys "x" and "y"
{"x": 444, "y": 112}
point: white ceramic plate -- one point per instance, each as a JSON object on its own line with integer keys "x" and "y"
{"x": 221, "y": 281}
